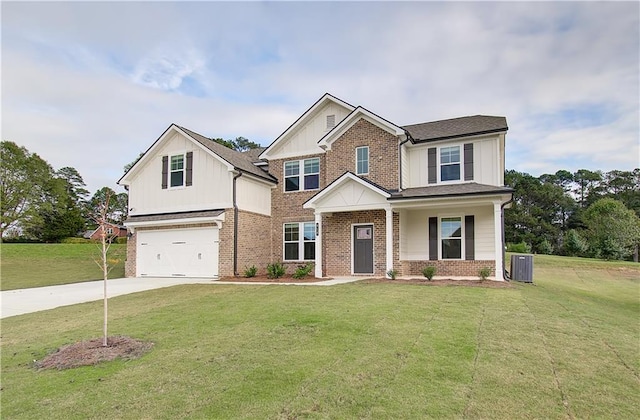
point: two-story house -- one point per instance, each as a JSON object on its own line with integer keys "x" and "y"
{"x": 341, "y": 188}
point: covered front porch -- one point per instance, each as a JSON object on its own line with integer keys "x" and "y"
{"x": 362, "y": 229}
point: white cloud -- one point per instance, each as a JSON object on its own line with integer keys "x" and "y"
{"x": 81, "y": 80}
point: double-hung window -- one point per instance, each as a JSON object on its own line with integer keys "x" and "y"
{"x": 177, "y": 171}
{"x": 299, "y": 241}
{"x": 451, "y": 238}
{"x": 302, "y": 175}
{"x": 362, "y": 160}
{"x": 450, "y": 163}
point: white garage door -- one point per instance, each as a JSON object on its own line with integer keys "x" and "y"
{"x": 178, "y": 253}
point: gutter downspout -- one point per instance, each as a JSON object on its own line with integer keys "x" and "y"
{"x": 400, "y": 157}
{"x": 505, "y": 273}
{"x": 235, "y": 225}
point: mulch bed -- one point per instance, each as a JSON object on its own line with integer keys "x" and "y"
{"x": 420, "y": 281}
{"x": 265, "y": 279}
{"x": 444, "y": 282}
{"x": 88, "y": 353}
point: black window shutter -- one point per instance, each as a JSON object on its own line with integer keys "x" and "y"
{"x": 469, "y": 238}
{"x": 433, "y": 238}
{"x": 468, "y": 162}
{"x": 165, "y": 171}
{"x": 432, "y": 165}
{"x": 189, "y": 180}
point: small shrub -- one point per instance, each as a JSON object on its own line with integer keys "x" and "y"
{"x": 429, "y": 272}
{"x": 121, "y": 240}
{"x": 250, "y": 271}
{"x": 545, "y": 247}
{"x": 276, "y": 270}
{"x": 302, "y": 271}
{"x": 574, "y": 244}
{"x": 392, "y": 274}
{"x": 520, "y": 248}
{"x": 484, "y": 273}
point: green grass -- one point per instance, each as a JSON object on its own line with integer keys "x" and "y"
{"x": 36, "y": 265}
{"x": 564, "y": 347}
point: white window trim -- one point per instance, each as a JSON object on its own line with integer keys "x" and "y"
{"x": 462, "y": 237}
{"x": 184, "y": 170}
{"x": 300, "y": 241}
{"x": 368, "y": 160}
{"x": 439, "y": 163}
{"x": 300, "y": 175}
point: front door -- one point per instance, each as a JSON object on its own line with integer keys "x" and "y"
{"x": 363, "y": 249}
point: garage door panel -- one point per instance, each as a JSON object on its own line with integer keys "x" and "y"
{"x": 178, "y": 253}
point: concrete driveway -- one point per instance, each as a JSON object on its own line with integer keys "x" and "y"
{"x": 24, "y": 301}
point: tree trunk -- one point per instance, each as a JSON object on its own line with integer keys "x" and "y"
{"x": 105, "y": 273}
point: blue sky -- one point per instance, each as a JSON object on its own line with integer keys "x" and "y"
{"x": 91, "y": 85}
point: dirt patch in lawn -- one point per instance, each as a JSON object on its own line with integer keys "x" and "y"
{"x": 91, "y": 352}
{"x": 443, "y": 282}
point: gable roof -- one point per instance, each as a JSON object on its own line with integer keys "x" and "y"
{"x": 351, "y": 119}
{"x": 456, "y": 127}
{"x": 239, "y": 160}
{"x": 242, "y": 162}
{"x": 326, "y": 98}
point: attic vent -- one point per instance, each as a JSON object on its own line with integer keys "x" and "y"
{"x": 331, "y": 121}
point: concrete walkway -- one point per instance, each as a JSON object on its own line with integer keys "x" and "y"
{"x": 24, "y": 301}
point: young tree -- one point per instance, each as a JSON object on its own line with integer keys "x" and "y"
{"x": 101, "y": 217}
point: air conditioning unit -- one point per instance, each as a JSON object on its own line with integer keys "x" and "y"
{"x": 522, "y": 268}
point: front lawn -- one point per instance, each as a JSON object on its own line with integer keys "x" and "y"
{"x": 564, "y": 347}
{"x": 36, "y": 265}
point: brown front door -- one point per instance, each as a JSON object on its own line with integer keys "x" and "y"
{"x": 363, "y": 249}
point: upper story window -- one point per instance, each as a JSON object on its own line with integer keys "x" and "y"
{"x": 450, "y": 163}
{"x": 331, "y": 121}
{"x": 177, "y": 171}
{"x": 362, "y": 160}
{"x": 302, "y": 175}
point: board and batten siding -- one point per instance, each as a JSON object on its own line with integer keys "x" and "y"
{"x": 486, "y": 167}
{"x": 146, "y": 195}
{"x": 253, "y": 195}
{"x": 414, "y": 231}
{"x": 303, "y": 141}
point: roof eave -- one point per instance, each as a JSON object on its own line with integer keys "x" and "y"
{"x": 457, "y": 136}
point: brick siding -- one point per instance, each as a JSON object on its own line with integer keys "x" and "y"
{"x": 338, "y": 245}
{"x": 453, "y": 268}
{"x": 383, "y": 154}
{"x": 286, "y": 207}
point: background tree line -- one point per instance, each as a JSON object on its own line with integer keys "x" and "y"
{"x": 39, "y": 203}
{"x": 584, "y": 213}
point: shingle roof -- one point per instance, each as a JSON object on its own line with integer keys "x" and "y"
{"x": 437, "y": 191}
{"x": 456, "y": 127}
{"x": 172, "y": 216}
{"x": 240, "y": 161}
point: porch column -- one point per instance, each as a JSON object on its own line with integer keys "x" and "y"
{"x": 497, "y": 223}
{"x": 389, "y": 240}
{"x": 318, "y": 220}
